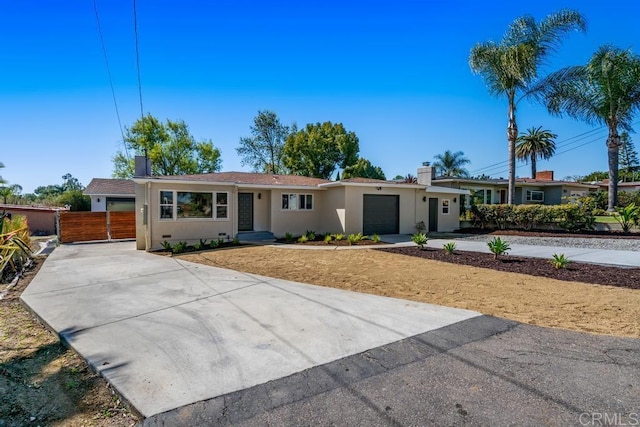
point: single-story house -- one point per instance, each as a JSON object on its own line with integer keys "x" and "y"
{"x": 622, "y": 186}
{"x": 42, "y": 220}
{"x": 542, "y": 189}
{"x": 113, "y": 195}
{"x": 230, "y": 204}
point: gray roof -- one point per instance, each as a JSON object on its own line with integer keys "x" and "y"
{"x": 110, "y": 187}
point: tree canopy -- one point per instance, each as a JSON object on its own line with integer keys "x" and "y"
{"x": 319, "y": 149}
{"x": 628, "y": 157}
{"x": 363, "y": 168}
{"x": 170, "y": 147}
{"x": 536, "y": 143}
{"x": 510, "y": 68}
{"x": 451, "y": 164}
{"x": 264, "y": 149}
{"x": 605, "y": 91}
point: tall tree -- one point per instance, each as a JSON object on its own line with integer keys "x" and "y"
{"x": 363, "y": 169}
{"x": 451, "y": 164}
{"x": 10, "y": 193}
{"x": 606, "y": 92}
{"x": 536, "y": 143}
{"x": 170, "y": 147}
{"x": 628, "y": 156}
{"x": 510, "y": 68}
{"x": 319, "y": 149}
{"x": 263, "y": 150}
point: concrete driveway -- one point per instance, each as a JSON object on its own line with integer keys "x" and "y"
{"x": 188, "y": 344}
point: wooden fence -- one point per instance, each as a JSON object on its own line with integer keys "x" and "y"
{"x": 88, "y": 226}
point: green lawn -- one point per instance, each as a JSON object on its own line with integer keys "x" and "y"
{"x": 606, "y": 219}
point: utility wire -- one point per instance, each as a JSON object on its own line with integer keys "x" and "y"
{"x": 491, "y": 169}
{"x": 106, "y": 61}
{"x": 135, "y": 30}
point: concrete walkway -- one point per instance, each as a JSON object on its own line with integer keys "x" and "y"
{"x": 167, "y": 333}
{"x": 596, "y": 256}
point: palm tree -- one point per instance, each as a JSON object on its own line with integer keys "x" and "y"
{"x": 535, "y": 144}
{"x": 451, "y": 164}
{"x": 510, "y": 68}
{"x": 606, "y": 91}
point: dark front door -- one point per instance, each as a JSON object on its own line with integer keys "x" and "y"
{"x": 433, "y": 214}
{"x": 245, "y": 211}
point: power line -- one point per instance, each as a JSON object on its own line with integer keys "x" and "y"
{"x": 497, "y": 168}
{"x": 106, "y": 61}
{"x": 135, "y": 30}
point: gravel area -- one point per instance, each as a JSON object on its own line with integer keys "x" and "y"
{"x": 567, "y": 242}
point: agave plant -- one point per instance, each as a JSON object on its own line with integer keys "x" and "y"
{"x": 15, "y": 249}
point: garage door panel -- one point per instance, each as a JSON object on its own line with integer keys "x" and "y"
{"x": 380, "y": 214}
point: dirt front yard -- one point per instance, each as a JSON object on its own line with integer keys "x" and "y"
{"x": 524, "y": 298}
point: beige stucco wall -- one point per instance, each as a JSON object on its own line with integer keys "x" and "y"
{"x": 296, "y": 222}
{"x": 446, "y": 222}
{"x": 189, "y": 230}
{"x": 261, "y": 208}
{"x": 333, "y": 210}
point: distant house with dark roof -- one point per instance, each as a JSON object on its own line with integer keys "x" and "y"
{"x": 113, "y": 195}
{"x": 235, "y": 204}
{"x": 542, "y": 189}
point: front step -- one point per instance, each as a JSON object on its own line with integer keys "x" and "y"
{"x": 249, "y": 236}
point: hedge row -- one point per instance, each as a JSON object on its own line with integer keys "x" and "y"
{"x": 571, "y": 217}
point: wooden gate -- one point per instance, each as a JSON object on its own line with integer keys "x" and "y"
{"x": 88, "y": 226}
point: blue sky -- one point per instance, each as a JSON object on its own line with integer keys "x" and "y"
{"x": 395, "y": 73}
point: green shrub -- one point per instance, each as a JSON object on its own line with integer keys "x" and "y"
{"x": 327, "y": 238}
{"x": 627, "y": 216}
{"x": 310, "y": 235}
{"x": 420, "y": 226}
{"x": 498, "y": 247}
{"x": 235, "y": 241}
{"x": 420, "y": 239}
{"x": 302, "y": 239}
{"x": 338, "y": 236}
{"x": 15, "y": 246}
{"x": 559, "y": 261}
{"x": 197, "y": 246}
{"x": 352, "y": 239}
{"x": 375, "y": 238}
{"x": 214, "y": 244}
{"x": 167, "y": 246}
{"x": 599, "y": 212}
{"x": 179, "y": 247}
{"x": 449, "y": 248}
{"x": 288, "y": 237}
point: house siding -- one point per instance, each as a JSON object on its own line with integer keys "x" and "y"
{"x": 354, "y": 197}
{"x": 334, "y": 210}
{"x": 296, "y": 222}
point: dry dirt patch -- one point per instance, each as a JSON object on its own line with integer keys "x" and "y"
{"x": 534, "y": 300}
{"x": 42, "y": 382}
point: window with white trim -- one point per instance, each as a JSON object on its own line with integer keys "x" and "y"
{"x": 535, "y": 196}
{"x": 445, "y": 206}
{"x": 184, "y": 205}
{"x": 294, "y": 201}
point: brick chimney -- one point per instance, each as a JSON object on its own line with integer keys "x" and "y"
{"x": 544, "y": 175}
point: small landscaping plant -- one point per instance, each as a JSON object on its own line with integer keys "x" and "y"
{"x": 235, "y": 241}
{"x": 327, "y": 238}
{"x": 302, "y": 239}
{"x": 420, "y": 239}
{"x": 179, "y": 247}
{"x": 352, "y": 239}
{"x": 288, "y": 237}
{"x": 421, "y": 227}
{"x": 310, "y": 235}
{"x": 449, "y": 248}
{"x": 628, "y": 216}
{"x": 338, "y": 236}
{"x": 559, "y": 261}
{"x": 375, "y": 238}
{"x": 498, "y": 247}
{"x": 167, "y": 246}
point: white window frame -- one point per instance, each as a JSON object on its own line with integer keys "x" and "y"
{"x": 174, "y": 206}
{"x": 529, "y": 196}
{"x": 298, "y": 198}
{"x": 445, "y": 204}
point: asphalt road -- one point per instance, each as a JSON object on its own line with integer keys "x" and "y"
{"x": 482, "y": 371}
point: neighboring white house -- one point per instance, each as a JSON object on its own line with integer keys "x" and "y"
{"x": 114, "y": 195}
{"x": 228, "y": 204}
